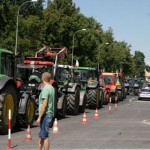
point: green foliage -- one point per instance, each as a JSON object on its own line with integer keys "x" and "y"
{"x": 139, "y": 63}
{"x": 56, "y": 25}
{"x": 147, "y": 67}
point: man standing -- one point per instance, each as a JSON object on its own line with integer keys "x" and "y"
{"x": 46, "y": 111}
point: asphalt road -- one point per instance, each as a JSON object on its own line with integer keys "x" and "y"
{"x": 126, "y": 128}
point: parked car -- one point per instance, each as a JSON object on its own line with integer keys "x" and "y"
{"x": 144, "y": 93}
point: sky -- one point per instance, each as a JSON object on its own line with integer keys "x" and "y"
{"x": 129, "y": 20}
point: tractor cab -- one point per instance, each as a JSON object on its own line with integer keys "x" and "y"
{"x": 85, "y": 74}
{"x": 7, "y": 63}
{"x": 63, "y": 74}
{"x": 87, "y": 78}
{"x": 32, "y": 69}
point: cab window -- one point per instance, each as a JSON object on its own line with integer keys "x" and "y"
{"x": 7, "y": 64}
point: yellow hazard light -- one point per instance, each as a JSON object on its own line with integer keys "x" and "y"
{"x": 118, "y": 84}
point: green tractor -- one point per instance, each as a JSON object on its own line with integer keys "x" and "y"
{"x": 76, "y": 100}
{"x": 8, "y": 88}
{"x": 87, "y": 78}
{"x": 10, "y": 96}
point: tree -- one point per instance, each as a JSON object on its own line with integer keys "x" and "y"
{"x": 139, "y": 63}
{"x": 147, "y": 67}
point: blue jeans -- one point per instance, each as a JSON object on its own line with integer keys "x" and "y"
{"x": 44, "y": 125}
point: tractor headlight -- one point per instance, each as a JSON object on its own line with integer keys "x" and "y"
{"x": 70, "y": 85}
{"x": 31, "y": 84}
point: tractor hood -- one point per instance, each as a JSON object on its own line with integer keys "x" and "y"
{"x": 92, "y": 83}
{"x": 111, "y": 87}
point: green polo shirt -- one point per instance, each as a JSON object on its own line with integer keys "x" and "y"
{"x": 47, "y": 93}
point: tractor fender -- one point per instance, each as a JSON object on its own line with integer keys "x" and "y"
{"x": 92, "y": 85}
{"x": 60, "y": 101}
{"x": 23, "y": 103}
{"x": 82, "y": 95}
{"x": 72, "y": 89}
{"x": 7, "y": 80}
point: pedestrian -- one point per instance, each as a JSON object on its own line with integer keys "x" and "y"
{"x": 46, "y": 111}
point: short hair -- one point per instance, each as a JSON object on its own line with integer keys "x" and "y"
{"x": 46, "y": 76}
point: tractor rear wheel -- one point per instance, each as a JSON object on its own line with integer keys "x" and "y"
{"x": 8, "y": 100}
{"x": 73, "y": 102}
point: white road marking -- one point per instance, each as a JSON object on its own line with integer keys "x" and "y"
{"x": 131, "y": 99}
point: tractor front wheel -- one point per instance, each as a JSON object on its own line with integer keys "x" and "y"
{"x": 30, "y": 112}
{"x": 29, "y": 116}
{"x": 82, "y": 108}
{"x": 93, "y": 98}
{"x": 73, "y": 102}
{"x": 101, "y": 98}
{"x": 64, "y": 108}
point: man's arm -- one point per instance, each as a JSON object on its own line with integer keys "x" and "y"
{"x": 43, "y": 108}
{"x": 42, "y": 111}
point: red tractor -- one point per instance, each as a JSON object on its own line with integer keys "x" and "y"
{"x": 112, "y": 86}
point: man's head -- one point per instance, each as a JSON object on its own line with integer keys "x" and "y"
{"x": 46, "y": 76}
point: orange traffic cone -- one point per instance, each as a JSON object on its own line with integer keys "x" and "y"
{"x": 55, "y": 127}
{"x": 84, "y": 120}
{"x": 28, "y": 135}
{"x": 96, "y": 114}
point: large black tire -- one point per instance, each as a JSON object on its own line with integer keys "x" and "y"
{"x": 101, "y": 98}
{"x": 56, "y": 101}
{"x": 8, "y": 100}
{"x": 63, "y": 110}
{"x": 29, "y": 116}
{"x": 124, "y": 93}
{"x": 93, "y": 97}
{"x": 73, "y": 102}
{"x": 136, "y": 91}
{"x": 105, "y": 99}
{"x": 120, "y": 97}
{"x": 82, "y": 108}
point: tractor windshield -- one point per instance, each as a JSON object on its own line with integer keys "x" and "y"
{"x": 108, "y": 79}
{"x": 7, "y": 64}
{"x": 62, "y": 74}
{"x": 27, "y": 72}
{"x": 85, "y": 75}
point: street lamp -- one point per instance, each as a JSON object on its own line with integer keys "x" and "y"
{"x": 73, "y": 43}
{"x": 17, "y": 24}
{"x": 99, "y": 53}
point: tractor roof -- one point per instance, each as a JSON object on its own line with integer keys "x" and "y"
{"x": 5, "y": 51}
{"x": 65, "y": 66}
